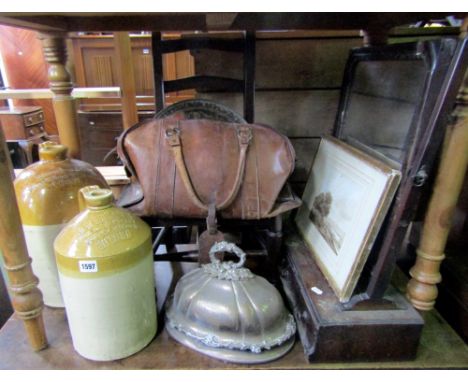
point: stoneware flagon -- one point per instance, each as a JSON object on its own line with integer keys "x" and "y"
{"x": 105, "y": 265}
{"x": 225, "y": 311}
{"x": 47, "y": 199}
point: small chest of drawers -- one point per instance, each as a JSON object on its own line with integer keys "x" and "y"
{"x": 22, "y": 122}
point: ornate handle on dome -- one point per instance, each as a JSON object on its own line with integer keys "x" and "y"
{"x": 224, "y": 246}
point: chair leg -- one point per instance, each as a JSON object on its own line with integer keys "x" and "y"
{"x": 169, "y": 239}
{"x": 274, "y": 239}
{"x": 158, "y": 239}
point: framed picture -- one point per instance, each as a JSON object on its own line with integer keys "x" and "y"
{"x": 345, "y": 201}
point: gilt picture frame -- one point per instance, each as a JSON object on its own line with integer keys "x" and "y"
{"x": 345, "y": 201}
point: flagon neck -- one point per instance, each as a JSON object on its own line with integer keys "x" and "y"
{"x": 51, "y": 151}
{"x": 96, "y": 198}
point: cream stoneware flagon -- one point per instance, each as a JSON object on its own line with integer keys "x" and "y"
{"x": 47, "y": 194}
{"x": 105, "y": 265}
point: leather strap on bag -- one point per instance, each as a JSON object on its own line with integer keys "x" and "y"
{"x": 244, "y": 136}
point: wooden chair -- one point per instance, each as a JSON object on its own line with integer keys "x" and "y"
{"x": 245, "y": 45}
{"x": 261, "y": 238}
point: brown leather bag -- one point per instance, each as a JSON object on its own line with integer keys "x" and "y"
{"x": 183, "y": 168}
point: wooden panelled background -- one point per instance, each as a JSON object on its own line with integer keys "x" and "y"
{"x": 25, "y": 68}
{"x": 95, "y": 65}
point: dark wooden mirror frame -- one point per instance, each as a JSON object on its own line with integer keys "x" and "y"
{"x": 445, "y": 61}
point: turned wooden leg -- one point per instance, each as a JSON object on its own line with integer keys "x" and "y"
{"x": 26, "y": 297}
{"x": 123, "y": 53}
{"x": 422, "y": 289}
{"x": 55, "y": 53}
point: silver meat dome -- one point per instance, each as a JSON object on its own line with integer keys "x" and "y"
{"x": 225, "y": 311}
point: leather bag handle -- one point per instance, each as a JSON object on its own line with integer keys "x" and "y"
{"x": 244, "y": 136}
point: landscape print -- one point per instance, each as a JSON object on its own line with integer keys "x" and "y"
{"x": 319, "y": 212}
{"x": 335, "y": 202}
{"x": 345, "y": 200}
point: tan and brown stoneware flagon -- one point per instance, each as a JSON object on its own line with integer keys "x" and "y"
{"x": 47, "y": 194}
{"x": 105, "y": 262}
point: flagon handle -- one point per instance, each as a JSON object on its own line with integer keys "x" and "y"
{"x": 244, "y": 136}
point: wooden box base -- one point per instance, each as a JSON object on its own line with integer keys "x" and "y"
{"x": 329, "y": 332}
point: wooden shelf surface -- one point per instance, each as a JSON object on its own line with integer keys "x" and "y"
{"x": 440, "y": 348}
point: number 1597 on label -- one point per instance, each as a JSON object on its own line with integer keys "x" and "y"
{"x": 88, "y": 266}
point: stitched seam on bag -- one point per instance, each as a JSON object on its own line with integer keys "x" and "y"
{"x": 254, "y": 144}
{"x": 174, "y": 178}
{"x": 173, "y": 191}
{"x": 242, "y": 190}
{"x": 158, "y": 168}
{"x": 223, "y": 152}
{"x": 242, "y": 195}
{"x": 292, "y": 155}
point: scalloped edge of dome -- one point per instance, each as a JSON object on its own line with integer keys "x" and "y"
{"x": 213, "y": 341}
{"x": 232, "y": 355}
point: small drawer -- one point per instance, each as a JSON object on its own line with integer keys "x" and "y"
{"x": 34, "y": 130}
{"x": 33, "y": 118}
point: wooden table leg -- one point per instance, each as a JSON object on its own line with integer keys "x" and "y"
{"x": 26, "y": 297}
{"x": 123, "y": 52}
{"x": 55, "y": 53}
{"x": 422, "y": 289}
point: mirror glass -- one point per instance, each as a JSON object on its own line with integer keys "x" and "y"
{"x": 382, "y": 103}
